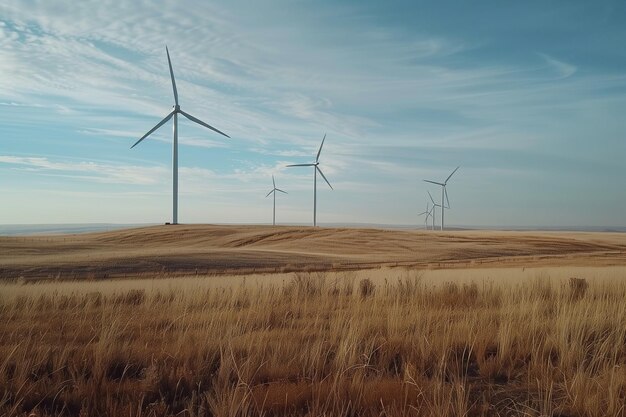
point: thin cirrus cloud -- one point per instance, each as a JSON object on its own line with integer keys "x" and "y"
{"x": 397, "y": 100}
{"x": 101, "y": 172}
{"x": 563, "y": 69}
{"x": 92, "y": 171}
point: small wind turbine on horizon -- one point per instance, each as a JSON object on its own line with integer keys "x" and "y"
{"x": 316, "y": 168}
{"x": 174, "y": 113}
{"x": 434, "y": 208}
{"x": 274, "y": 192}
{"x": 428, "y": 213}
{"x": 444, "y": 192}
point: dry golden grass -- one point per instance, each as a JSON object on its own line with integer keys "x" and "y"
{"x": 313, "y": 344}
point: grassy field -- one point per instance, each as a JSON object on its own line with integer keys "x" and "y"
{"x": 393, "y": 342}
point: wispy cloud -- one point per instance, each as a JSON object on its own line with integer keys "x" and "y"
{"x": 112, "y": 173}
{"x": 91, "y": 171}
{"x": 562, "y": 69}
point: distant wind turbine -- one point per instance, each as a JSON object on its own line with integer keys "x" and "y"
{"x": 274, "y": 192}
{"x": 444, "y": 192}
{"x": 434, "y": 208}
{"x": 428, "y": 213}
{"x": 432, "y": 216}
{"x": 316, "y": 168}
{"x": 174, "y": 113}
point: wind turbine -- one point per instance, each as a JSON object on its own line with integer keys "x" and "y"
{"x": 174, "y": 113}
{"x": 432, "y": 216}
{"x": 443, "y": 193}
{"x": 316, "y": 168}
{"x": 428, "y": 213}
{"x": 274, "y": 191}
{"x": 434, "y": 208}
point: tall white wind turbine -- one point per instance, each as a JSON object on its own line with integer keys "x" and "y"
{"x": 274, "y": 192}
{"x": 316, "y": 169}
{"x": 444, "y": 192}
{"x": 174, "y": 113}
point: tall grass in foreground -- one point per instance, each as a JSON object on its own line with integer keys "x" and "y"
{"x": 315, "y": 346}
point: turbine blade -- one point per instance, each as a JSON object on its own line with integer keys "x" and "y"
{"x": 200, "y": 122}
{"x": 434, "y": 182}
{"x": 273, "y": 182}
{"x": 301, "y": 165}
{"x": 323, "y": 176}
{"x": 172, "y": 75}
{"x": 268, "y": 194}
{"x": 320, "y": 150}
{"x": 446, "y": 193}
{"x": 422, "y": 213}
{"x": 450, "y": 176}
{"x": 284, "y": 192}
{"x": 161, "y": 123}
{"x": 431, "y": 198}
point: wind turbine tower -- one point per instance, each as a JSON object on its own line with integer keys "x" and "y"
{"x": 174, "y": 113}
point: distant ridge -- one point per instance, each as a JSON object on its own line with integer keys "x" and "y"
{"x": 57, "y": 229}
{"x": 618, "y": 229}
{"x": 186, "y": 249}
{"x": 74, "y": 228}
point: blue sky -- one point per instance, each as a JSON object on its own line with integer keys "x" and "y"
{"x": 528, "y": 97}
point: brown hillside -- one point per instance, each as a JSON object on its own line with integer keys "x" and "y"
{"x": 209, "y": 249}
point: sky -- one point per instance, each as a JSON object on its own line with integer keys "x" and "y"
{"x": 527, "y": 97}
